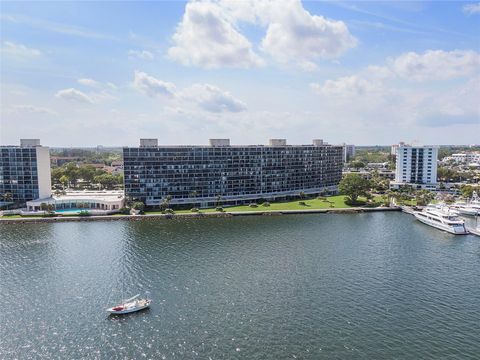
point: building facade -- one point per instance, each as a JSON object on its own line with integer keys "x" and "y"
{"x": 394, "y": 148}
{"x": 416, "y": 166}
{"x": 464, "y": 158}
{"x": 201, "y": 174}
{"x": 348, "y": 152}
{"x": 25, "y": 171}
{"x": 96, "y": 202}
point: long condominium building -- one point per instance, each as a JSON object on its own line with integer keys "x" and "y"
{"x": 416, "y": 166}
{"x": 201, "y": 174}
{"x": 24, "y": 172}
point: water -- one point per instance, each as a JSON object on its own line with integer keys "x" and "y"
{"x": 370, "y": 286}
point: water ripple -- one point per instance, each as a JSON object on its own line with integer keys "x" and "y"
{"x": 372, "y": 286}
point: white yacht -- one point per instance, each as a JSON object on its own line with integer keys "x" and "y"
{"x": 442, "y": 218}
{"x": 471, "y": 207}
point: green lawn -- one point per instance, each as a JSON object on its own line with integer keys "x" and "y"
{"x": 331, "y": 202}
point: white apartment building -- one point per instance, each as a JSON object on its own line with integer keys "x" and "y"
{"x": 348, "y": 152}
{"x": 394, "y": 148}
{"x": 416, "y": 166}
{"x": 25, "y": 171}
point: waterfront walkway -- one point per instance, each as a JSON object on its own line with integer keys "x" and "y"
{"x": 193, "y": 215}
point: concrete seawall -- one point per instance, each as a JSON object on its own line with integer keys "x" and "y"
{"x": 6, "y": 220}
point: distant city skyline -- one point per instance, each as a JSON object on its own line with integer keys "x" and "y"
{"x": 363, "y": 73}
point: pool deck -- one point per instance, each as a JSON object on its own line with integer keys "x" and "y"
{"x": 191, "y": 215}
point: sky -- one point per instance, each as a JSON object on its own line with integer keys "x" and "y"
{"x": 364, "y": 72}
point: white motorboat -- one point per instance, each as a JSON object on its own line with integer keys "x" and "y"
{"x": 471, "y": 207}
{"x": 466, "y": 210}
{"x": 130, "y": 305}
{"x": 442, "y": 218}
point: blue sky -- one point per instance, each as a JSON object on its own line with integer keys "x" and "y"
{"x": 88, "y": 73}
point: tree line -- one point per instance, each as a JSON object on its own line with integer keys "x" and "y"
{"x": 84, "y": 176}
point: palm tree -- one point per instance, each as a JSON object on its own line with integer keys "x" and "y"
{"x": 165, "y": 204}
{"x": 130, "y": 200}
{"x": 302, "y": 195}
{"x": 7, "y": 197}
{"x": 194, "y": 194}
{"x": 219, "y": 200}
{"x": 59, "y": 192}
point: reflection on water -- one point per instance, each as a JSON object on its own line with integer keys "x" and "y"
{"x": 310, "y": 286}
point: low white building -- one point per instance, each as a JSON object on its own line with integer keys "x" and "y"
{"x": 416, "y": 166}
{"x": 97, "y": 201}
{"x": 463, "y": 158}
{"x": 378, "y": 166}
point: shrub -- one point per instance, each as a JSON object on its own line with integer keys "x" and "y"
{"x": 169, "y": 211}
{"x": 348, "y": 201}
{"x": 124, "y": 211}
{"x": 253, "y": 205}
{"x": 194, "y": 209}
{"x": 138, "y": 206}
{"x": 266, "y": 204}
{"x": 219, "y": 208}
{"x": 84, "y": 213}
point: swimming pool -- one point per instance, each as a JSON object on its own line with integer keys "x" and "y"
{"x": 70, "y": 211}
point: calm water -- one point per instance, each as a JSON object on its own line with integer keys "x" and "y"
{"x": 370, "y": 286}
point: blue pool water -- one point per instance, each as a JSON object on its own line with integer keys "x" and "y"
{"x": 69, "y": 211}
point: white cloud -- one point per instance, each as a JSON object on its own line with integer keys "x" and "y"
{"x": 205, "y": 96}
{"x": 101, "y": 96}
{"x": 384, "y": 93}
{"x": 89, "y": 82}
{"x": 97, "y": 84}
{"x": 18, "y": 92}
{"x": 471, "y": 9}
{"x": 294, "y": 34}
{"x": 206, "y": 38}
{"x": 209, "y": 35}
{"x": 456, "y": 105}
{"x": 32, "y": 109}
{"x": 72, "y": 94}
{"x": 436, "y": 64}
{"x": 141, "y": 54}
{"x": 346, "y": 86}
{"x": 20, "y": 50}
{"x": 212, "y": 99}
{"x": 151, "y": 86}
{"x": 60, "y": 28}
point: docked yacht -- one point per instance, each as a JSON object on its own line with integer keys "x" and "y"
{"x": 472, "y": 207}
{"x": 442, "y": 218}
